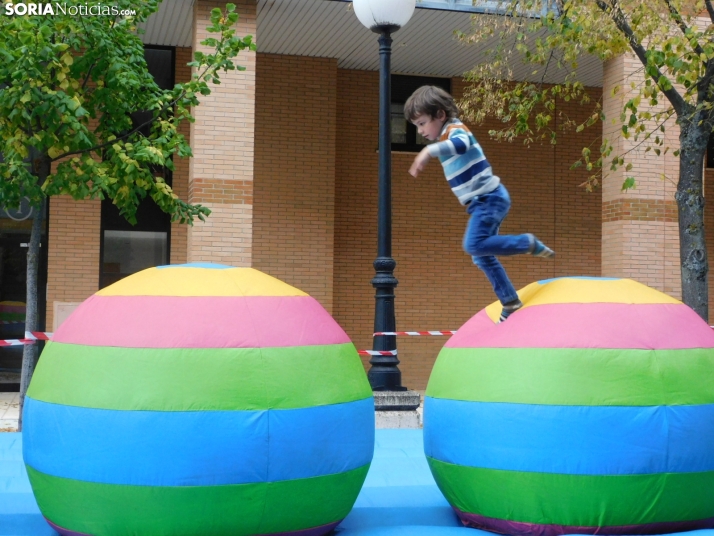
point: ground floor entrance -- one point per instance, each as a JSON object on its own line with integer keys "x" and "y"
{"x": 15, "y": 228}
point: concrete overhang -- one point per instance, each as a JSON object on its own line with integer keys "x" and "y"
{"x": 329, "y": 29}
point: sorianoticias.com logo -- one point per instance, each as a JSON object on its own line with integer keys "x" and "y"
{"x": 58, "y": 8}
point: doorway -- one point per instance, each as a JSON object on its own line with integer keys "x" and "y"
{"x": 15, "y": 228}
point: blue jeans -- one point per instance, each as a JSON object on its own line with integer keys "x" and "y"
{"x": 483, "y": 242}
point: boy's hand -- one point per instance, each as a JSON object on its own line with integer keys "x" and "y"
{"x": 420, "y": 162}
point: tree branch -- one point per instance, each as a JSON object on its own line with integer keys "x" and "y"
{"x": 164, "y": 108}
{"x": 618, "y": 17}
{"x": 710, "y": 9}
{"x": 121, "y": 137}
{"x": 89, "y": 72}
{"x": 545, "y": 71}
{"x": 682, "y": 26}
{"x": 705, "y": 93}
{"x": 646, "y": 138}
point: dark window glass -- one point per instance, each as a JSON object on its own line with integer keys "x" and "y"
{"x": 710, "y": 151}
{"x": 127, "y": 252}
{"x": 124, "y": 248}
{"x": 127, "y": 249}
{"x": 404, "y": 134}
{"x": 160, "y": 62}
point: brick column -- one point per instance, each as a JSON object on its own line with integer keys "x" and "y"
{"x": 222, "y": 139}
{"x": 640, "y": 237}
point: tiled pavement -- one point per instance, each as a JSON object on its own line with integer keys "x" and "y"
{"x": 9, "y": 411}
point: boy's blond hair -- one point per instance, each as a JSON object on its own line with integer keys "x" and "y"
{"x": 428, "y": 100}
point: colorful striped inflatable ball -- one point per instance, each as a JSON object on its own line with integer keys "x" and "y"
{"x": 588, "y": 411}
{"x": 198, "y": 399}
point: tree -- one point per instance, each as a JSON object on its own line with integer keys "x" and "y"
{"x": 676, "y": 50}
{"x": 69, "y": 85}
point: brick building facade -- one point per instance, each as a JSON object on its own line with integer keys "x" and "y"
{"x": 285, "y": 156}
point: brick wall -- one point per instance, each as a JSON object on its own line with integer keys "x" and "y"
{"x": 709, "y": 232}
{"x": 294, "y": 207}
{"x": 179, "y": 232}
{"x": 639, "y": 231}
{"x": 439, "y": 287}
{"x": 222, "y": 139}
{"x": 578, "y": 213}
{"x": 73, "y": 255}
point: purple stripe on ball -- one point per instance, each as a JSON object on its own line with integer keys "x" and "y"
{"x": 315, "y": 531}
{"x": 65, "y": 532}
{"x": 517, "y": 528}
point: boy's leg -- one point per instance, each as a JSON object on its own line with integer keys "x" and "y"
{"x": 486, "y": 218}
{"x": 484, "y": 223}
{"x": 498, "y": 278}
{"x": 482, "y": 238}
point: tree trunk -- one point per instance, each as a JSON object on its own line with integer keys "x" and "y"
{"x": 690, "y": 201}
{"x": 32, "y": 318}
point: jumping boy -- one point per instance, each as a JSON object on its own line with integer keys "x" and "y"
{"x": 433, "y": 111}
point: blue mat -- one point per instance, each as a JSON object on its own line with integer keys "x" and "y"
{"x": 19, "y": 515}
{"x": 399, "y": 497}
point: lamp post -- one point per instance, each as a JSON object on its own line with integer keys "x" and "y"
{"x": 384, "y": 17}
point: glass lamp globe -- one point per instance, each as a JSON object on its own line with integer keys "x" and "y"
{"x": 380, "y": 15}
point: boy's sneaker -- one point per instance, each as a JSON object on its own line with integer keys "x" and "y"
{"x": 539, "y": 249}
{"x": 509, "y": 309}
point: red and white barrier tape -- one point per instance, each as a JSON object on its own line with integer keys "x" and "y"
{"x": 389, "y": 333}
{"x": 377, "y": 352}
{"x": 414, "y": 333}
{"x": 16, "y": 342}
{"x": 30, "y": 338}
{"x": 38, "y": 335}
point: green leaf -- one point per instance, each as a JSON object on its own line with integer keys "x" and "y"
{"x": 628, "y": 184}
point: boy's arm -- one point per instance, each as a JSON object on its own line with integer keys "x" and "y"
{"x": 456, "y": 143}
{"x": 420, "y": 162}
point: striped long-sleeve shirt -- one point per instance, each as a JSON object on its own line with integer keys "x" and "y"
{"x": 467, "y": 171}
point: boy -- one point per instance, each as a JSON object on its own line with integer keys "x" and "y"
{"x": 433, "y": 111}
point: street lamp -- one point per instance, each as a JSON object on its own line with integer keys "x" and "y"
{"x": 384, "y": 17}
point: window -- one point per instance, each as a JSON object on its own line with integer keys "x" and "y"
{"x": 710, "y": 152}
{"x": 127, "y": 252}
{"x": 404, "y": 134}
{"x": 160, "y": 62}
{"x": 127, "y": 249}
